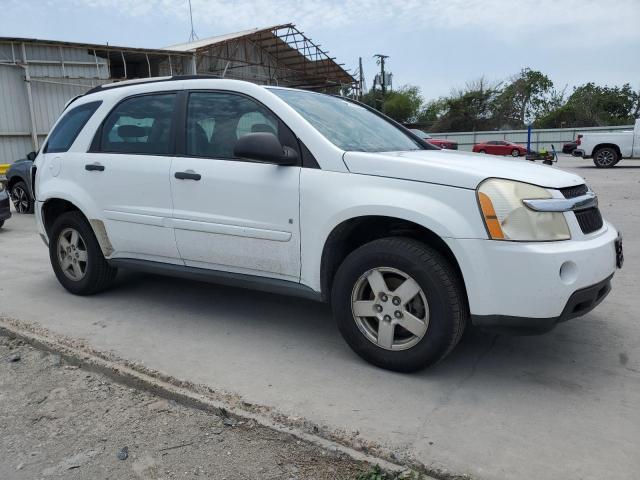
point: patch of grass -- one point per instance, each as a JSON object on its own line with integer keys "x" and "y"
{"x": 376, "y": 473}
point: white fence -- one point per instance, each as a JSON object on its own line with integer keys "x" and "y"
{"x": 540, "y": 138}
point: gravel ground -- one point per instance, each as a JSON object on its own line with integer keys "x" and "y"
{"x": 58, "y": 421}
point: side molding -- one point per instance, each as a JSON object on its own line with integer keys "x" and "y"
{"x": 252, "y": 282}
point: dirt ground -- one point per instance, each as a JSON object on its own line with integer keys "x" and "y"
{"x": 59, "y": 421}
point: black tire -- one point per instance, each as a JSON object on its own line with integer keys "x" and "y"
{"x": 1, "y": 223}
{"x": 98, "y": 275}
{"x": 605, "y": 157}
{"x": 515, "y": 152}
{"x": 22, "y": 201}
{"x": 441, "y": 285}
{"x": 482, "y": 151}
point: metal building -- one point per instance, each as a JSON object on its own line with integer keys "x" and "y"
{"x": 38, "y": 77}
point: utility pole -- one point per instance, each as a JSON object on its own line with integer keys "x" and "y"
{"x": 361, "y": 79}
{"x": 383, "y": 81}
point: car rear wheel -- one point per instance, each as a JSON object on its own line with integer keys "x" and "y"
{"x": 605, "y": 157}
{"x": 76, "y": 256}
{"x": 482, "y": 151}
{"x": 21, "y": 198}
{"x": 399, "y": 304}
{"x": 515, "y": 152}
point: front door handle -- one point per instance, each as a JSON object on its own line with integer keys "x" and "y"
{"x": 188, "y": 175}
{"x": 94, "y": 167}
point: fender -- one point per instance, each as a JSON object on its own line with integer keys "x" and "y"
{"x": 329, "y": 198}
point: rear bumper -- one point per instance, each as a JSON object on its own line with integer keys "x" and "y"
{"x": 580, "y": 303}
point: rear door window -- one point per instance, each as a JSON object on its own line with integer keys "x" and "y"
{"x": 68, "y": 128}
{"x": 140, "y": 125}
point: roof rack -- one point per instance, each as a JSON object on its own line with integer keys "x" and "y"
{"x": 139, "y": 81}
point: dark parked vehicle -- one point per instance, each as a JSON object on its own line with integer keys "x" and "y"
{"x": 569, "y": 147}
{"x": 438, "y": 142}
{"x": 5, "y": 206}
{"x": 19, "y": 185}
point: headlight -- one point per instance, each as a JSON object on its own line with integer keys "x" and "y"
{"x": 507, "y": 218}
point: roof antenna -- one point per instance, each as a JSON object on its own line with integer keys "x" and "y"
{"x": 192, "y": 36}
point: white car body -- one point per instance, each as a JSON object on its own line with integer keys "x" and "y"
{"x": 273, "y": 222}
{"x": 626, "y": 142}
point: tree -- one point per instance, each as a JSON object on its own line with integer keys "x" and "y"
{"x": 591, "y": 106}
{"x": 523, "y": 99}
{"x": 468, "y": 109}
{"x": 403, "y": 105}
{"x": 431, "y": 112}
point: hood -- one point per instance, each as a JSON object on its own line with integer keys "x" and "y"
{"x": 455, "y": 168}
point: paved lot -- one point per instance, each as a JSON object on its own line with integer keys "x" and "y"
{"x": 562, "y": 405}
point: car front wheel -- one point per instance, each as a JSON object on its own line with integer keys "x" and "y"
{"x": 515, "y": 152}
{"x": 399, "y": 304}
{"x": 76, "y": 257}
{"x": 21, "y": 198}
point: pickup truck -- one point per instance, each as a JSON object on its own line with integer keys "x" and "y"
{"x": 608, "y": 148}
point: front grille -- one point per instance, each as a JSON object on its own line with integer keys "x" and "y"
{"x": 573, "y": 192}
{"x": 589, "y": 220}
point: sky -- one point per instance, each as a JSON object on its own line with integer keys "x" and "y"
{"x": 437, "y": 45}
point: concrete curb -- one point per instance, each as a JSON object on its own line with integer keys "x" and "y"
{"x": 170, "y": 389}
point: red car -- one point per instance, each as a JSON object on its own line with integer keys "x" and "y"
{"x": 438, "y": 142}
{"x": 500, "y": 147}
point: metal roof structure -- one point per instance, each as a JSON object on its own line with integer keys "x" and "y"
{"x": 38, "y": 77}
{"x": 293, "y": 58}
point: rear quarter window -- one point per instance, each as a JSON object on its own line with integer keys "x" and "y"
{"x": 68, "y": 128}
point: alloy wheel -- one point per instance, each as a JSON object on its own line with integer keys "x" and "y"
{"x": 605, "y": 157}
{"x": 390, "y": 308}
{"x": 20, "y": 199}
{"x": 72, "y": 254}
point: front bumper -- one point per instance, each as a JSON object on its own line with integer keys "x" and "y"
{"x": 534, "y": 283}
{"x": 580, "y": 303}
{"x": 5, "y": 205}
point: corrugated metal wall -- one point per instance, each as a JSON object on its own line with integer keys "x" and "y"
{"x": 540, "y": 138}
{"x": 57, "y": 74}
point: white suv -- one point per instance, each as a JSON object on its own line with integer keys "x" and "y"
{"x": 314, "y": 195}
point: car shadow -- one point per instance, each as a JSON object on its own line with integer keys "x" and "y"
{"x": 617, "y": 167}
{"x": 563, "y": 360}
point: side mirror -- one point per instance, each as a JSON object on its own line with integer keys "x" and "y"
{"x": 31, "y": 156}
{"x": 264, "y": 147}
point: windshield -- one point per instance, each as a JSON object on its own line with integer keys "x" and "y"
{"x": 347, "y": 125}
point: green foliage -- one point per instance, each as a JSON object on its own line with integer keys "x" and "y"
{"x": 528, "y": 97}
{"x": 403, "y": 105}
{"x": 376, "y": 473}
{"x": 591, "y": 105}
{"x": 468, "y": 109}
{"x": 522, "y": 100}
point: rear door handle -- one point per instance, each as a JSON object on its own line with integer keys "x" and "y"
{"x": 188, "y": 175}
{"x": 94, "y": 167}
